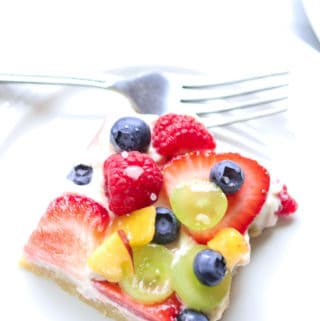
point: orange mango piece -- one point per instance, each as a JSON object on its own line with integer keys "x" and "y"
{"x": 231, "y": 244}
{"x": 139, "y": 225}
{"x": 113, "y": 258}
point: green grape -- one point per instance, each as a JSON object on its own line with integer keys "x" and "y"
{"x": 150, "y": 282}
{"x": 194, "y": 294}
{"x": 198, "y": 204}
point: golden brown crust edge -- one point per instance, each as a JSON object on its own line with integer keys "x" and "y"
{"x": 106, "y": 309}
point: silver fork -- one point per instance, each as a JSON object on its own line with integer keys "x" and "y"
{"x": 158, "y": 93}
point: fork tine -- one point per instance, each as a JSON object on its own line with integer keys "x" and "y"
{"x": 207, "y": 109}
{"x": 233, "y": 94}
{"x": 235, "y": 81}
{"x": 209, "y": 123}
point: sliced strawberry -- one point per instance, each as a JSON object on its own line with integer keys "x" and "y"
{"x": 243, "y": 205}
{"x": 68, "y": 232}
{"x": 164, "y": 311}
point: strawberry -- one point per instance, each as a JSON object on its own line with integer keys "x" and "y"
{"x": 164, "y": 311}
{"x": 132, "y": 181}
{"x": 288, "y": 204}
{"x": 177, "y": 134}
{"x": 71, "y": 228}
{"x": 243, "y": 205}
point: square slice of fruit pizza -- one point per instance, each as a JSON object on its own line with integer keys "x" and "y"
{"x": 152, "y": 223}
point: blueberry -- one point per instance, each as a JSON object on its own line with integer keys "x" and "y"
{"x": 228, "y": 175}
{"x": 191, "y": 315}
{"x": 130, "y": 133}
{"x": 210, "y": 267}
{"x": 167, "y": 226}
{"x": 81, "y": 174}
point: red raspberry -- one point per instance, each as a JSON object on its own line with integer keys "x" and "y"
{"x": 132, "y": 181}
{"x": 288, "y": 204}
{"x": 177, "y": 134}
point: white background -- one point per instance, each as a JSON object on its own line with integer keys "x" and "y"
{"x": 76, "y": 36}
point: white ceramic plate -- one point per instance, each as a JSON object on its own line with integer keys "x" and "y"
{"x": 51, "y": 127}
{"x": 312, "y": 9}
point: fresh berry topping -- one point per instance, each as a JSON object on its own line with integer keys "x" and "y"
{"x": 193, "y": 293}
{"x": 132, "y": 181}
{"x": 81, "y": 174}
{"x": 228, "y": 175}
{"x": 243, "y": 206}
{"x": 210, "y": 267}
{"x": 191, "y": 315}
{"x": 166, "y": 310}
{"x": 130, "y": 133}
{"x": 72, "y": 227}
{"x": 177, "y": 134}
{"x": 288, "y": 203}
{"x": 167, "y": 226}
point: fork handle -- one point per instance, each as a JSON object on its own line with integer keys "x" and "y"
{"x": 54, "y": 80}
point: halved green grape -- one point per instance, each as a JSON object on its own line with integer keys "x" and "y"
{"x": 192, "y": 292}
{"x": 198, "y": 204}
{"x": 151, "y": 281}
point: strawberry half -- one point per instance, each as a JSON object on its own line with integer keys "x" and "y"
{"x": 68, "y": 232}
{"x": 164, "y": 311}
{"x": 243, "y": 206}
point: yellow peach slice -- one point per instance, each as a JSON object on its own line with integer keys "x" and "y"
{"x": 139, "y": 225}
{"x": 232, "y": 245}
{"x": 113, "y": 258}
